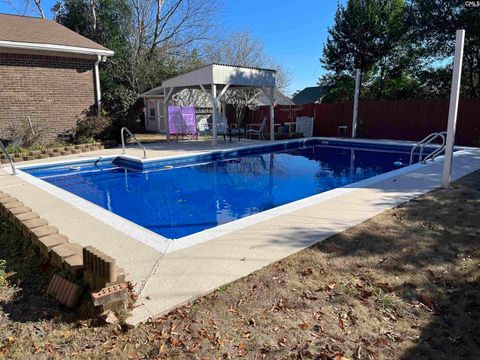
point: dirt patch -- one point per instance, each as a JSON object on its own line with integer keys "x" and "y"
{"x": 403, "y": 285}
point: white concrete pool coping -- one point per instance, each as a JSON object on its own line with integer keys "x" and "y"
{"x": 168, "y": 274}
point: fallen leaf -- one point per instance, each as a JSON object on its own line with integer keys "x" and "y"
{"x": 425, "y": 300}
{"x": 330, "y": 286}
{"x": 386, "y": 287}
{"x": 307, "y": 271}
{"x": 242, "y": 346}
{"x": 247, "y": 335}
{"x": 304, "y": 326}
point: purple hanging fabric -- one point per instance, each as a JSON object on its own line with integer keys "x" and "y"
{"x": 182, "y": 120}
{"x": 188, "y": 115}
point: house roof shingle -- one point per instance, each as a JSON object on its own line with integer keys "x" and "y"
{"x": 16, "y": 31}
{"x": 310, "y": 95}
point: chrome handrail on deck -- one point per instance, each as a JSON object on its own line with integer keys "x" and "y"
{"x": 4, "y": 150}
{"x": 425, "y": 141}
{"x": 122, "y": 134}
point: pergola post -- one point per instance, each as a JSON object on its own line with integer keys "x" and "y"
{"x": 167, "y": 93}
{"x": 215, "y": 100}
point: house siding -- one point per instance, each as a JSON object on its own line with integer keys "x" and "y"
{"x": 53, "y": 90}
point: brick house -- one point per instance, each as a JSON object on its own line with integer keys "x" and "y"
{"x": 48, "y": 73}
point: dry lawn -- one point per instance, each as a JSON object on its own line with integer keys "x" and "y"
{"x": 403, "y": 285}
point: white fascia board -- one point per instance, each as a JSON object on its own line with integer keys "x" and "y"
{"x": 54, "y": 48}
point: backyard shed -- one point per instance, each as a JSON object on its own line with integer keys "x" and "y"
{"x": 48, "y": 73}
{"x": 214, "y": 80}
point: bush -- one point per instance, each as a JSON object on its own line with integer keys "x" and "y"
{"x": 91, "y": 128}
{"x": 27, "y": 133}
{"x": 125, "y": 109}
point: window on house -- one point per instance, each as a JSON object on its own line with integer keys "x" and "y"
{"x": 152, "y": 108}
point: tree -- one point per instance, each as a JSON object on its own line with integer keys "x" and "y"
{"x": 25, "y": 4}
{"x": 434, "y": 23}
{"x": 243, "y": 50}
{"x": 370, "y": 35}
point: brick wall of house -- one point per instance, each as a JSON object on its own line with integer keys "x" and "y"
{"x": 52, "y": 90}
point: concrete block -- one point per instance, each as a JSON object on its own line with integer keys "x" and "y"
{"x": 89, "y": 279}
{"x": 121, "y": 277}
{"x": 46, "y": 243}
{"x": 12, "y": 213}
{"x": 37, "y": 233}
{"x": 74, "y": 264}
{"x": 28, "y": 225}
{"x": 102, "y": 268}
{"x": 7, "y": 199}
{"x": 19, "y": 218}
{"x": 11, "y": 205}
{"x": 64, "y": 291}
{"x": 110, "y": 294}
{"x": 59, "y": 253}
{"x": 4, "y": 195}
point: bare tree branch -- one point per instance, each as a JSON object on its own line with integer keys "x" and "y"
{"x": 39, "y": 7}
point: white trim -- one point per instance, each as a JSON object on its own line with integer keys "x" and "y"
{"x": 54, "y": 48}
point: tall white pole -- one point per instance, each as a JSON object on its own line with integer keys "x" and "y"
{"x": 272, "y": 114}
{"x": 97, "y": 85}
{"x": 355, "y": 103}
{"x": 214, "y": 114}
{"x": 453, "y": 108}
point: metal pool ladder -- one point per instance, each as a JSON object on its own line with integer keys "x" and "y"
{"x": 4, "y": 150}
{"x": 427, "y": 140}
{"x": 122, "y": 133}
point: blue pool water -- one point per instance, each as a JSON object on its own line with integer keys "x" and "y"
{"x": 181, "y": 197}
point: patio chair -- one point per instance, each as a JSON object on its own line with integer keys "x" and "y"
{"x": 257, "y": 129}
{"x": 203, "y": 126}
{"x": 224, "y": 129}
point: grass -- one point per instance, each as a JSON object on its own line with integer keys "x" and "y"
{"x": 403, "y": 285}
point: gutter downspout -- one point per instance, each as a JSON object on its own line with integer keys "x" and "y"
{"x": 97, "y": 85}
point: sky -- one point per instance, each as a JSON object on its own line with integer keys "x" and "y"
{"x": 293, "y": 32}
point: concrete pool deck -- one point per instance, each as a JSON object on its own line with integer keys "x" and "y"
{"x": 165, "y": 281}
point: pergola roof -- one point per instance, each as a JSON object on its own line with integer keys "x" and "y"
{"x": 219, "y": 74}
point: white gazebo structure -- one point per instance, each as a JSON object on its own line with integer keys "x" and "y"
{"x": 214, "y": 80}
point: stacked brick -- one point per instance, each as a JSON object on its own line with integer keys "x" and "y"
{"x": 99, "y": 271}
{"x": 53, "y": 152}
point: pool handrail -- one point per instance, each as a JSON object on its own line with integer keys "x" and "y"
{"x": 425, "y": 141}
{"x": 122, "y": 134}
{"x": 4, "y": 150}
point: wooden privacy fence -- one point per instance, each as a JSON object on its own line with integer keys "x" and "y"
{"x": 384, "y": 119}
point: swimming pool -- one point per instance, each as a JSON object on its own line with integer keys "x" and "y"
{"x": 182, "y": 196}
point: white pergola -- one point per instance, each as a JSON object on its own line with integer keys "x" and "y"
{"x": 215, "y": 80}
